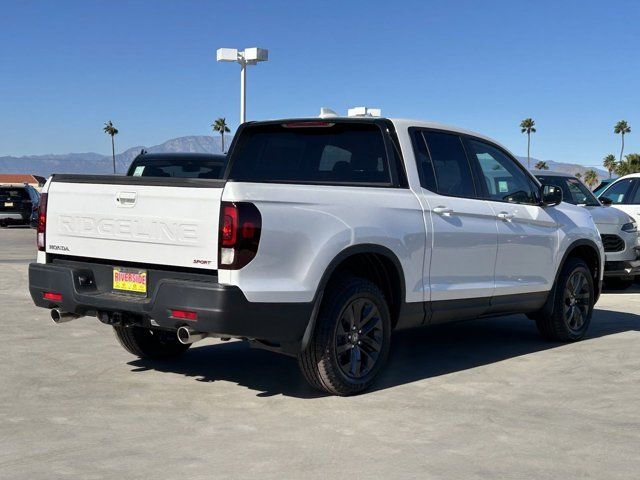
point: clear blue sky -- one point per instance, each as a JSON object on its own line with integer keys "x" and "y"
{"x": 66, "y": 67}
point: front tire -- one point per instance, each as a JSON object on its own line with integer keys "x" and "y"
{"x": 351, "y": 341}
{"x": 149, "y": 343}
{"x": 573, "y": 304}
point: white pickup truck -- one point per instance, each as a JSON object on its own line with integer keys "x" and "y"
{"x": 322, "y": 237}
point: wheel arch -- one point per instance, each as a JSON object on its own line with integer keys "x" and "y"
{"x": 586, "y": 250}
{"x": 375, "y": 262}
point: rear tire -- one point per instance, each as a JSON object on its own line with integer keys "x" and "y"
{"x": 350, "y": 344}
{"x": 618, "y": 283}
{"x": 573, "y": 304}
{"x": 149, "y": 343}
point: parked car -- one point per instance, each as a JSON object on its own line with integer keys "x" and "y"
{"x": 178, "y": 165}
{"x": 603, "y": 184}
{"x": 619, "y": 231}
{"x": 323, "y": 236}
{"x": 18, "y": 205}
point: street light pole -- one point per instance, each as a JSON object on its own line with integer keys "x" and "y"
{"x": 243, "y": 91}
{"x": 248, "y": 56}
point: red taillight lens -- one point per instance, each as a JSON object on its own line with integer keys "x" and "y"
{"x": 184, "y": 314}
{"x": 239, "y": 236}
{"x": 54, "y": 297}
{"x": 229, "y": 225}
{"x": 42, "y": 222}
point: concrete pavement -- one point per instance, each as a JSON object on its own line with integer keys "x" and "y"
{"x": 486, "y": 399}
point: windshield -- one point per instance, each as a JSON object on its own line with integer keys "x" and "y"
{"x": 176, "y": 167}
{"x": 573, "y": 190}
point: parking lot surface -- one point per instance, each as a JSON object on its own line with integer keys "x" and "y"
{"x": 483, "y": 399}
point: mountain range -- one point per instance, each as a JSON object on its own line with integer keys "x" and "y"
{"x": 95, "y": 163}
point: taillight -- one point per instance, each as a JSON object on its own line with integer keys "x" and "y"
{"x": 239, "y": 236}
{"x": 42, "y": 222}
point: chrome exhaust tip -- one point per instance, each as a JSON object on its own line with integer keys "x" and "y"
{"x": 187, "y": 335}
{"x": 60, "y": 316}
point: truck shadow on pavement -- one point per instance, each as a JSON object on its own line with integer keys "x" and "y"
{"x": 415, "y": 354}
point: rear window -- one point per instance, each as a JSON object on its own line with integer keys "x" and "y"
{"x": 13, "y": 193}
{"x": 350, "y": 153}
{"x": 177, "y": 168}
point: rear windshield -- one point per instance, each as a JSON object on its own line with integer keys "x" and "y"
{"x": 332, "y": 153}
{"x": 13, "y": 193}
{"x": 178, "y": 168}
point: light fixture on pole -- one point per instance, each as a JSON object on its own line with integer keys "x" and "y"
{"x": 248, "y": 56}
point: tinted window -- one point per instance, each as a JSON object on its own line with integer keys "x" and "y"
{"x": 329, "y": 153}
{"x": 14, "y": 193}
{"x": 619, "y": 191}
{"x": 573, "y": 190}
{"x": 505, "y": 181}
{"x": 449, "y": 163}
{"x": 178, "y": 168}
{"x": 423, "y": 162}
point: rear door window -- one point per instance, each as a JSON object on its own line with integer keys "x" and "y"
{"x": 443, "y": 164}
{"x": 311, "y": 152}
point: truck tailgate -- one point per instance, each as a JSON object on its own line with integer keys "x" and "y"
{"x": 164, "y": 221}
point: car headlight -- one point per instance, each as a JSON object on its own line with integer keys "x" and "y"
{"x": 630, "y": 227}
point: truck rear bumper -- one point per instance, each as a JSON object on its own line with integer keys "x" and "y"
{"x": 222, "y": 310}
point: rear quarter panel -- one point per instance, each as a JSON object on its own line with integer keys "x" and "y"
{"x": 304, "y": 227}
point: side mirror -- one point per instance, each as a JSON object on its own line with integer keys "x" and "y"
{"x": 551, "y": 195}
{"x": 606, "y": 201}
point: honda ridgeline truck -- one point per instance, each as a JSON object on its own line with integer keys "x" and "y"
{"x": 322, "y": 237}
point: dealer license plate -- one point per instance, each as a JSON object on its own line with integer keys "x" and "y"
{"x": 130, "y": 280}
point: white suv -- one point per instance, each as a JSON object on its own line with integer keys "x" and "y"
{"x": 322, "y": 237}
{"x": 618, "y": 230}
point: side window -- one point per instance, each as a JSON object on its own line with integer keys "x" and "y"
{"x": 505, "y": 181}
{"x": 423, "y": 162}
{"x": 449, "y": 165}
{"x": 619, "y": 191}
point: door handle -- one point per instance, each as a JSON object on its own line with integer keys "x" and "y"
{"x": 443, "y": 210}
{"x": 506, "y": 216}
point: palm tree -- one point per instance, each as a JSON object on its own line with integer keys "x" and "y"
{"x": 609, "y": 162}
{"x": 590, "y": 178}
{"x": 621, "y": 128}
{"x": 578, "y": 175}
{"x": 220, "y": 125}
{"x": 541, "y": 165}
{"x": 109, "y": 129}
{"x": 528, "y": 126}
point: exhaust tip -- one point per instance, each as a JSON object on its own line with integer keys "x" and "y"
{"x": 60, "y": 316}
{"x": 56, "y": 315}
{"x": 187, "y": 335}
{"x": 184, "y": 335}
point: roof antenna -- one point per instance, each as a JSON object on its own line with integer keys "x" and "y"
{"x": 327, "y": 113}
